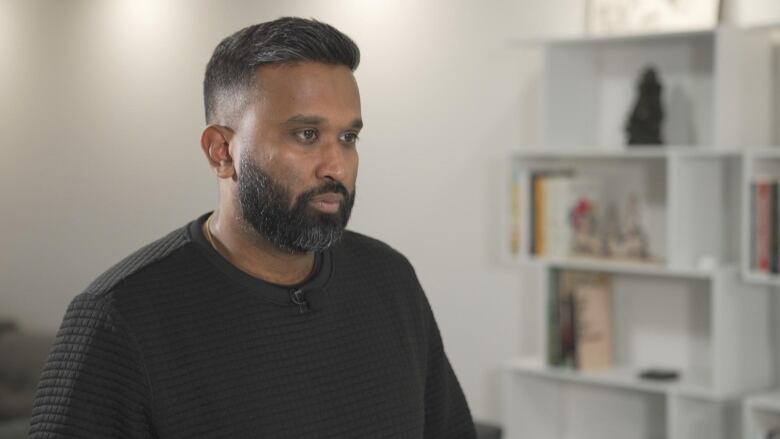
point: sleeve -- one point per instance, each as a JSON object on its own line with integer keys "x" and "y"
{"x": 447, "y": 414}
{"x": 93, "y": 384}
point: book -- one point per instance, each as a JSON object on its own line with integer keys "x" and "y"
{"x": 566, "y": 318}
{"x": 515, "y": 214}
{"x": 773, "y": 231}
{"x": 752, "y": 223}
{"x": 557, "y": 228}
{"x": 553, "y": 195}
{"x": 537, "y": 206}
{"x": 580, "y": 321}
{"x": 554, "y": 355}
{"x": 763, "y": 227}
{"x": 594, "y": 329}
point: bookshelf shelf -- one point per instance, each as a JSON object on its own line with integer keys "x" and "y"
{"x": 766, "y": 401}
{"x": 626, "y": 267}
{"x": 697, "y": 307}
{"x": 613, "y": 39}
{"x": 762, "y": 278}
{"x": 624, "y": 378}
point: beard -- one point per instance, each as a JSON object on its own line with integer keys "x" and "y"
{"x": 265, "y": 206}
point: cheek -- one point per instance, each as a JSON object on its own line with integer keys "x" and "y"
{"x": 290, "y": 174}
{"x": 355, "y": 161}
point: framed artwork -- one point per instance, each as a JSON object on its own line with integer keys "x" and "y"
{"x": 626, "y": 17}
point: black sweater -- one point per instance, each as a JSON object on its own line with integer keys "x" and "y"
{"x": 175, "y": 342}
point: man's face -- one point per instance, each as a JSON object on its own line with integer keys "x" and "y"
{"x": 296, "y": 148}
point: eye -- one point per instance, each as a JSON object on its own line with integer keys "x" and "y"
{"x": 349, "y": 138}
{"x": 308, "y": 135}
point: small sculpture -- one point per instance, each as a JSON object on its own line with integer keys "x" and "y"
{"x": 584, "y": 222}
{"x": 626, "y": 239}
{"x": 644, "y": 125}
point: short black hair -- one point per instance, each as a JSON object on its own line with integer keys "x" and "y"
{"x": 231, "y": 69}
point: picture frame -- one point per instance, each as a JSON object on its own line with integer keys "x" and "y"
{"x": 627, "y": 17}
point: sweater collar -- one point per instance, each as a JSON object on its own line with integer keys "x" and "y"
{"x": 313, "y": 287}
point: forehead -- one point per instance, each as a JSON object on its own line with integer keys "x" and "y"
{"x": 309, "y": 88}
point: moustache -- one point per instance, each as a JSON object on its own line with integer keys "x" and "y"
{"x": 329, "y": 187}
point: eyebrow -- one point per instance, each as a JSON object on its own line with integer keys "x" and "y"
{"x": 317, "y": 120}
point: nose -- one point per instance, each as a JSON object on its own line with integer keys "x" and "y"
{"x": 334, "y": 161}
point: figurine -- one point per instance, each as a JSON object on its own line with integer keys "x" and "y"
{"x": 584, "y": 222}
{"x": 635, "y": 244}
{"x": 644, "y": 125}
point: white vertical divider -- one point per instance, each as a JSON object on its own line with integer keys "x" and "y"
{"x": 673, "y": 227}
{"x": 743, "y": 74}
{"x": 673, "y": 416}
{"x": 742, "y": 322}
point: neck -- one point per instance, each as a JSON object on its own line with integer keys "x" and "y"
{"x": 243, "y": 247}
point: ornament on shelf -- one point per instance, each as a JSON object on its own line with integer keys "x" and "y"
{"x": 644, "y": 124}
{"x": 626, "y": 239}
{"x": 585, "y": 225}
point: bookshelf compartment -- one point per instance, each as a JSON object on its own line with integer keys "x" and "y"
{"x": 696, "y": 418}
{"x": 554, "y": 409}
{"x": 760, "y": 230}
{"x": 655, "y": 323}
{"x": 704, "y": 210}
{"x": 764, "y": 424}
{"x": 761, "y": 415}
{"x": 591, "y": 87}
{"x": 623, "y": 194}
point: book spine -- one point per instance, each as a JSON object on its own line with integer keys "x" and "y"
{"x": 762, "y": 226}
{"x": 515, "y": 223}
{"x": 532, "y": 215}
{"x": 773, "y": 240}
{"x": 539, "y": 219}
{"x": 554, "y": 192}
{"x": 566, "y": 319}
{"x": 753, "y": 221}
{"x": 553, "y": 321}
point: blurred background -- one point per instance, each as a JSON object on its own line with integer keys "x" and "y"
{"x": 101, "y": 113}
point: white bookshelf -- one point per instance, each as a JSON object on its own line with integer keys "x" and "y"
{"x": 758, "y": 13}
{"x": 694, "y": 306}
{"x": 764, "y": 162}
{"x": 761, "y": 413}
{"x": 589, "y": 85}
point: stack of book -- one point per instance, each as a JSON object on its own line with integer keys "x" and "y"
{"x": 580, "y": 321}
{"x": 764, "y": 227}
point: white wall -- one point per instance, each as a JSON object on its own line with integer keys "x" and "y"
{"x": 100, "y": 115}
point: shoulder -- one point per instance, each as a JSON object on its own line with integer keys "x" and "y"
{"x": 139, "y": 261}
{"x": 378, "y": 265}
{"x": 359, "y": 247}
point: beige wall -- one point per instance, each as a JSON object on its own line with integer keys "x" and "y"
{"x": 100, "y": 115}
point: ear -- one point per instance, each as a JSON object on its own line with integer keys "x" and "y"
{"x": 215, "y": 142}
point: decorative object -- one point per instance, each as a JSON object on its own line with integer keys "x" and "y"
{"x": 621, "y": 17}
{"x": 659, "y": 374}
{"x": 644, "y": 125}
{"x": 585, "y": 226}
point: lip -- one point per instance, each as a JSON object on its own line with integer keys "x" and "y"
{"x": 327, "y": 203}
{"x": 328, "y": 198}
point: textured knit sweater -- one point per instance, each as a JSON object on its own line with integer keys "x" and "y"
{"x": 176, "y": 342}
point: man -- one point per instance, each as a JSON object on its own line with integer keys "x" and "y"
{"x": 263, "y": 319}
